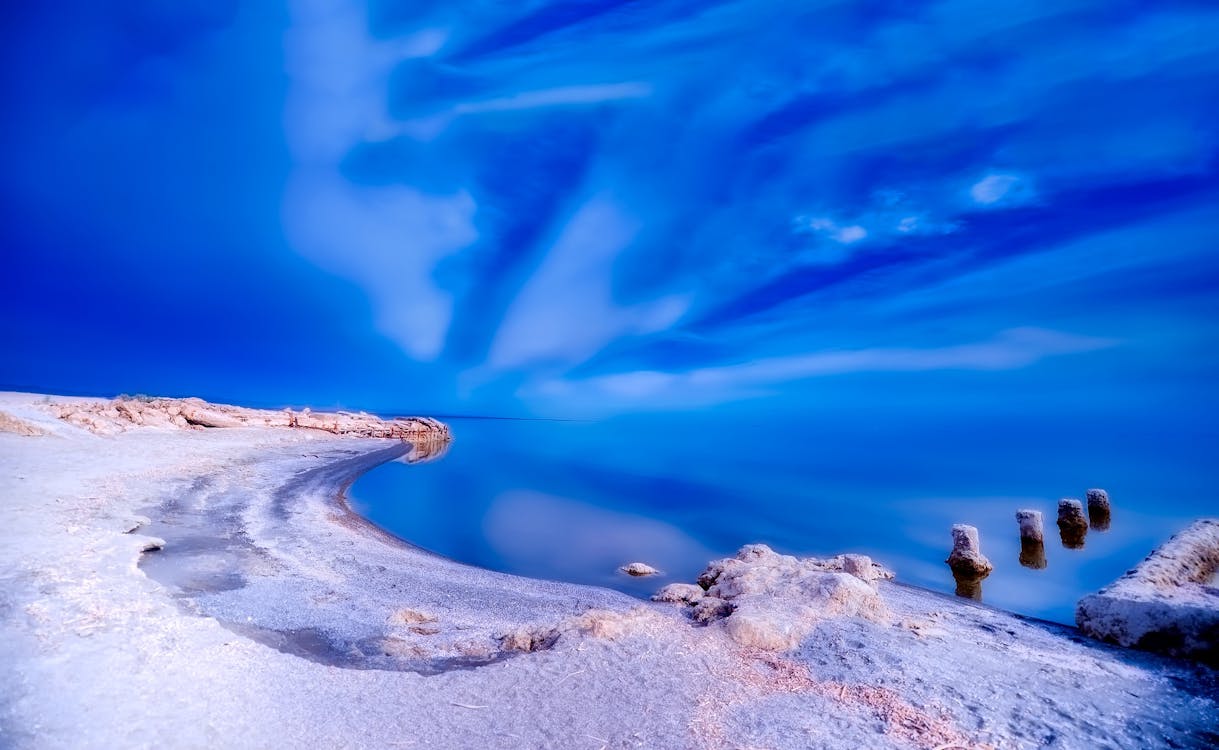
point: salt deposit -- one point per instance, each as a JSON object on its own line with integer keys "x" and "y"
{"x": 273, "y": 617}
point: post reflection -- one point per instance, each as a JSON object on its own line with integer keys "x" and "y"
{"x": 1032, "y": 554}
{"x": 426, "y": 450}
{"x": 969, "y": 586}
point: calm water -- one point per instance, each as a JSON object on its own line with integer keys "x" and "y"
{"x": 575, "y": 500}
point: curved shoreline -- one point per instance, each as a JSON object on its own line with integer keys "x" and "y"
{"x": 303, "y": 531}
{"x": 105, "y": 656}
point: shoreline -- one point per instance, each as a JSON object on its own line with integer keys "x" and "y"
{"x": 107, "y": 656}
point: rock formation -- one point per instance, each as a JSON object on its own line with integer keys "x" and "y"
{"x": 772, "y": 601}
{"x": 123, "y": 413}
{"x": 9, "y": 423}
{"x": 1167, "y": 603}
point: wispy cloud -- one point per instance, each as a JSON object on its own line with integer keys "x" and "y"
{"x": 1001, "y": 189}
{"x": 1008, "y": 350}
{"x": 559, "y": 96}
{"x": 622, "y": 204}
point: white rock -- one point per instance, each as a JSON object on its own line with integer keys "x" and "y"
{"x": 639, "y": 569}
{"x": 1167, "y": 603}
{"x": 679, "y": 593}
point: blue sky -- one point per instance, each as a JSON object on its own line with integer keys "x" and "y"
{"x": 591, "y": 208}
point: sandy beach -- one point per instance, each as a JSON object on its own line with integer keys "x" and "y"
{"x": 183, "y": 585}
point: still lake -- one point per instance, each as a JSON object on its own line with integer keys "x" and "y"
{"x": 573, "y": 501}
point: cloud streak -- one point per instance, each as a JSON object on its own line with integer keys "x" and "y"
{"x": 1008, "y": 350}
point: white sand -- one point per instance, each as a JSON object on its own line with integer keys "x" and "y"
{"x": 273, "y": 619}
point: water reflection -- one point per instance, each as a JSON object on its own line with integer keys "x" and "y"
{"x": 1032, "y": 554}
{"x": 425, "y": 450}
{"x": 969, "y": 586}
{"x": 1032, "y": 538}
{"x": 574, "y": 501}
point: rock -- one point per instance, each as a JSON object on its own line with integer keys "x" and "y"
{"x": 123, "y": 413}
{"x": 198, "y": 412}
{"x": 411, "y": 617}
{"x": 966, "y": 558}
{"x": 639, "y": 569}
{"x": 135, "y": 523}
{"x": 1099, "y": 510}
{"x": 9, "y": 423}
{"x": 529, "y": 638}
{"x": 711, "y": 608}
{"x": 679, "y": 593}
{"x": 609, "y": 625}
{"x": 865, "y": 569}
{"x": 1168, "y": 603}
{"x": 714, "y": 570}
{"x": 752, "y": 552}
{"x": 1072, "y": 525}
{"x": 772, "y": 601}
{"x": 768, "y": 630}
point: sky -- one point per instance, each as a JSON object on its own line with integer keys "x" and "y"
{"x": 971, "y": 211}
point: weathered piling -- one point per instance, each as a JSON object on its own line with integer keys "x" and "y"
{"x": 1032, "y": 525}
{"x": 969, "y": 565}
{"x": 1032, "y": 554}
{"x": 1072, "y": 525}
{"x": 1032, "y": 538}
{"x": 969, "y": 587}
{"x": 1099, "y": 511}
{"x": 966, "y": 557}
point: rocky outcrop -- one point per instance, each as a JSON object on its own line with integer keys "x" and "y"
{"x": 124, "y": 413}
{"x": 772, "y": 601}
{"x": 1168, "y": 603}
{"x": 9, "y": 423}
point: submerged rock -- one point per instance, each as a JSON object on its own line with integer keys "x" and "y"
{"x": 639, "y": 569}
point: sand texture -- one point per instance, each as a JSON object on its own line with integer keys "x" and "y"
{"x": 202, "y": 586}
